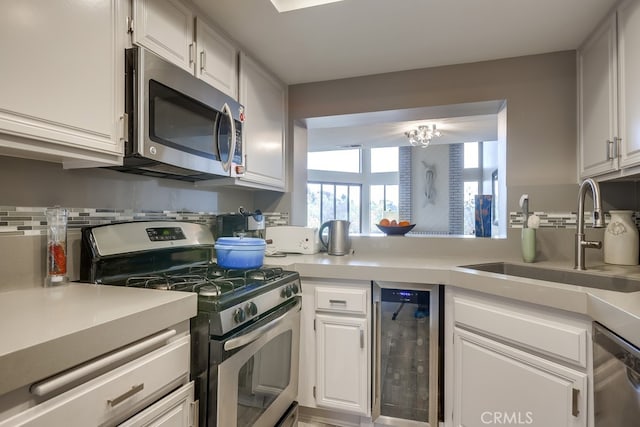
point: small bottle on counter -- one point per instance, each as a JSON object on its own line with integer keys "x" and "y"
{"x": 56, "y": 250}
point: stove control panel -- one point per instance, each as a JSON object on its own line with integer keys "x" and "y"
{"x": 251, "y": 309}
{"x": 289, "y": 290}
{"x": 165, "y": 233}
{"x": 239, "y": 315}
{"x": 232, "y": 317}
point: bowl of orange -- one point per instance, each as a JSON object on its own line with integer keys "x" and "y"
{"x": 394, "y": 228}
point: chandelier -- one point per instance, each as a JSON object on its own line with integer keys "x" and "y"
{"x": 422, "y": 136}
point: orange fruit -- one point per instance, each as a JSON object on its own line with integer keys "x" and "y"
{"x": 404, "y": 223}
{"x": 384, "y": 222}
{"x": 394, "y": 223}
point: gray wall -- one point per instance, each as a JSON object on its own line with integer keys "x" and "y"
{"x": 36, "y": 183}
{"x": 540, "y": 91}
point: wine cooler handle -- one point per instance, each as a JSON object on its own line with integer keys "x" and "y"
{"x": 377, "y": 362}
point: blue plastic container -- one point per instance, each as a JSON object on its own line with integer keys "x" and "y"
{"x": 240, "y": 252}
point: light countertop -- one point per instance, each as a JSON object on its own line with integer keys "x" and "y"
{"x": 46, "y": 330}
{"x": 619, "y": 311}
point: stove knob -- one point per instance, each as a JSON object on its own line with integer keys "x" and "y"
{"x": 251, "y": 309}
{"x": 238, "y": 315}
{"x": 295, "y": 289}
{"x": 286, "y": 292}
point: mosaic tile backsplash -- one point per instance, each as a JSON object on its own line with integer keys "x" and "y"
{"x": 31, "y": 221}
{"x": 561, "y": 219}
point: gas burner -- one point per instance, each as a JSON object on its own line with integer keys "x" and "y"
{"x": 231, "y": 284}
{"x": 209, "y": 291}
{"x": 264, "y": 274}
{"x": 151, "y": 282}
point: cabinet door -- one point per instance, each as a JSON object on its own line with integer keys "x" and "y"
{"x": 498, "y": 384}
{"x": 175, "y": 410}
{"x": 264, "y": 99}
{"x": 342, "y": 367}
{"x": 217, "y": 60}
{"x": 597, "y": 93}
{"x": 629, "y": 84}
{"x": 166, "y": 28}
{"x": 114, "y": 395}
{"x": 62, "y": 78}
{"x": 307, "y": 360}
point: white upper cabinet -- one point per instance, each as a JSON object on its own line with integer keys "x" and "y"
{"x": 217, "y": 60}
{"x": 598, "y": 118}
{"x": 609, "y": 96}
{"x": 264, "y": 100}
{"x": 629, "y": 83}
{"x": 62, "y": 81}
{"x": 166, "y": 27}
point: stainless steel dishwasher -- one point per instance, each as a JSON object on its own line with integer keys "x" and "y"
{"x": 616, "y": 380}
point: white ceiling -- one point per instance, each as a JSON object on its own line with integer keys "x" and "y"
{"x": 361, "y": 37}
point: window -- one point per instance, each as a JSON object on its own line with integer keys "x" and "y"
{"x": 470, "y": 191}
{"x": 471, "y": 155}
{"x": 334, "y": 161}
{"x": 384, "y": 159}
{"x": 384, "y": 200}
{"x": 472, "y": 176}
{"x": 326, "y": 201}
{"x": 359, "y": 185}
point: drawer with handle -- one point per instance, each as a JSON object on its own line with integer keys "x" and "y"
{"x": 111, "y": 397}
{"x": 345, "y": 300}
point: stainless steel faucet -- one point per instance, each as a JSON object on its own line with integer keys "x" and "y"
{"x": 598, "y": 221}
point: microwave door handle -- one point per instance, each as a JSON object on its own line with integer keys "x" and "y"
{"x": 226, "y": 110}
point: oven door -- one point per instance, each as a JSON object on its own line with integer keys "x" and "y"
{"x": 258, "y": 383}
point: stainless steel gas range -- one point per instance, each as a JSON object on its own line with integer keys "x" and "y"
{"x": 245, "y": 338}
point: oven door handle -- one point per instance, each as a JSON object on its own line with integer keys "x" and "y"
{"x": 250, "y": 337}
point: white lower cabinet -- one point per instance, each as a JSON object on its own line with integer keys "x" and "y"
{"x": 498, "y": 384}
{"x": 342, "y": 375}
{"x": 513, "y": 363}
{"x": 175, "y": 410}
{"x": 153, "y": 383}
{"x": 335, "y": 347}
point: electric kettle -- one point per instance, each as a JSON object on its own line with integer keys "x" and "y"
{"x": 337, "y": 241}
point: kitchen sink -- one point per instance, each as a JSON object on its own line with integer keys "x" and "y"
{"x": 571, "y": 277}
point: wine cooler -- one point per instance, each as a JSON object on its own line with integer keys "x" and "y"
{"x": 407, "y": 347}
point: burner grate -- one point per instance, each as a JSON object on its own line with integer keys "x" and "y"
{"x": 209, "y": 280}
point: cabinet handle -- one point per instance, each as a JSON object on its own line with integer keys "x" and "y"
{"x": 124, "y": 396}
{"x": 92, "y": 368}
{"x": 613, "y": 148}
{"x": 191, "y": 53}
{"x": 361, "y": 338}
{"x": 574, "y": 402}
{"x": 338, "y": 301}
{"x": 203, "y": 61}
{"x": 609, "y": 147}
{"x": 195, "y": 413}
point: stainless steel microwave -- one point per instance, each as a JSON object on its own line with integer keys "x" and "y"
{"x": 178, "y": 126}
